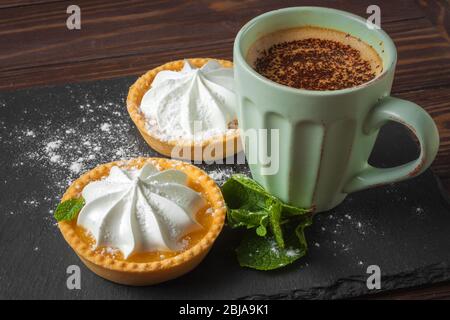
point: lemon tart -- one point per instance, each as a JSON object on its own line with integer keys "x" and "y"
{"x": 186, "y": 109}
{"x": 143, "y": 221}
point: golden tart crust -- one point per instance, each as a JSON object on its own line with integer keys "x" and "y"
{"x": 224, "y": 145}
{"x": 146, "y": 273}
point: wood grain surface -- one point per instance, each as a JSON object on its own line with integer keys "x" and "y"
{"x": 124, "y": 37}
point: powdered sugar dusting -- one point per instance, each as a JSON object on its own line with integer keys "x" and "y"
{"x": 57, "y": 145}
{"x": 76, "y": 166}
{"x": 220, "y": 175}
{"x": 105, "y": 127}
{"x": 76, "y": 146}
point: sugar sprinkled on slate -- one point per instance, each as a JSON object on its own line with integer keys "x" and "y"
{"x": 91, "y": 134}
{"x": 221, "y": 175}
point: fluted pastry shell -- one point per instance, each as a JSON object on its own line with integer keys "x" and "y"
{"x": 224, "y": 145}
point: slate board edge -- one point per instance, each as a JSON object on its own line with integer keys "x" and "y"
{"x": 131, "y": 77}
{"x": 356, "y": 286}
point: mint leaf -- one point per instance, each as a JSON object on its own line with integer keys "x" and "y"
{"x": 252, "y": 207}
{"x": 274, "y": 208}
{"x": 265, "y": 254}
{"x": 300, "y": 232}
{"x": 242, "y": 192}
{"x": 247, "y": 182}
{"x": 68, "y": 209}
{"x": 291, "y": 211}
{"x": 261, "y": 231}
{"x": 246, "y": 218}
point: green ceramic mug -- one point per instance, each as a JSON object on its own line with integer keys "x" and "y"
{"x": 326, "y": 137}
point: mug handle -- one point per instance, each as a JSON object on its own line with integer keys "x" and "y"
{"x": 419, "y": 122}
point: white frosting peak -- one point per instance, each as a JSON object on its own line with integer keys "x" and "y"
{"x": 192, "y": 104}
{"x": 140, "y": 210}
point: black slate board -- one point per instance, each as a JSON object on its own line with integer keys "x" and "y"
{"x": 49, "y": 135}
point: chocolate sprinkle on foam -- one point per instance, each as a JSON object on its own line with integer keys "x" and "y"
{"x": 314, "y": 64}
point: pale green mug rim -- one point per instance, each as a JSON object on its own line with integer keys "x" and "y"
{"x": 382, "y": 35}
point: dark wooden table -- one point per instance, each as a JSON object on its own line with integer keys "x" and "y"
{"x": 119, "y": 38}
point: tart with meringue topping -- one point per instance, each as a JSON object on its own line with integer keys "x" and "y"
{"x": 142, "y": 221}
{"x": 186, "y": 109}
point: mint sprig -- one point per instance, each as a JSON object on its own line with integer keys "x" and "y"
{"x": 69, "y": 209}
{"x": 252, "y": 207}
{"x": 263, "y": 253}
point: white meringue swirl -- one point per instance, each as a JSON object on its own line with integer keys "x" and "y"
{"x": 193, "y": 104}
{"x": 140, "y": 210}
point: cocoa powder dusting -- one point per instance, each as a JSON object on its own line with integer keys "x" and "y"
{"x": 314, "y": 64}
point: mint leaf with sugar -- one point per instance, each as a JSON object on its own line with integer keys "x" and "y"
{"x": 68, "y": 209}
{"x": 250, "y": 206}
{"x": 263, "y": 253}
